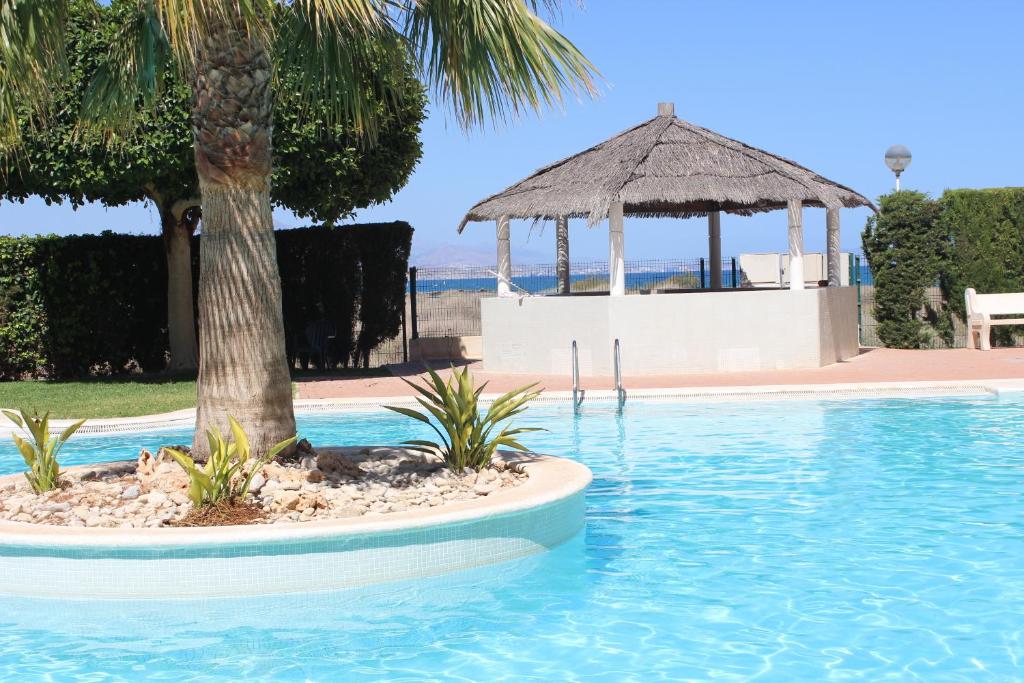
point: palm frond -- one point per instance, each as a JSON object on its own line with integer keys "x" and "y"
{"x": 347, "y": 57}
{"x": 130, "y": 76}
{"x": 31, "y": 52}
{"x": 494, "y": 57}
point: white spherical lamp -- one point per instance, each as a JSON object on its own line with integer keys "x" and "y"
{"x": 897, "y": 158}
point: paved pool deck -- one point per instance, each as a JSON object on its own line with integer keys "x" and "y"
{"x": 871, "y": 366}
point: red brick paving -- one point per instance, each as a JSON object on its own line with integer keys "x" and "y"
{"x": 873, "y": 365}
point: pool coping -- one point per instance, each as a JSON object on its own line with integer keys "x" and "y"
{"x": 551, "y": 479}
{"x": 847, "y": 390}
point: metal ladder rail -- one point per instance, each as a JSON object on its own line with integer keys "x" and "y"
{"x": 577, "y": 393}
{"x": 620, "y": 392}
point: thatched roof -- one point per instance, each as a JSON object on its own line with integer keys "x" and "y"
{"x": 665, "y": 167}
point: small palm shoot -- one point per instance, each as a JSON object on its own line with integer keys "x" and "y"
{"x": 467, "y": 436}
{"x": 40, "y": 450}
{"x": 227, "y": 474}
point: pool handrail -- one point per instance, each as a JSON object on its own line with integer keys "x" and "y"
{"x": 620, "y": 392}
{"x": 577, "y": 393}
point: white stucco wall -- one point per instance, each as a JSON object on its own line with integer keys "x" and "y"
{"x": 671, "y": 333}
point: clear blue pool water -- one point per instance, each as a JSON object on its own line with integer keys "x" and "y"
{"x": 790, "y": 541}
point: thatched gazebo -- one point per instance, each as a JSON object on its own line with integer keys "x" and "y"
{"x": 666, "y": 167}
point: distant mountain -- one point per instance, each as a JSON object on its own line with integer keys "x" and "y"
{"x": 470, "y": 255}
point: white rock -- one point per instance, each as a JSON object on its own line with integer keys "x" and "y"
{"x": 482, "y": 488}
{"x": 258, "y": 482}
{"x": 154, "y": 498}
{"x": 131, "y": 493}
{"x": 288, "y": 500}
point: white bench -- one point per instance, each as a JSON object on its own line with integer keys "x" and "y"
{"x": 981, "y": 308}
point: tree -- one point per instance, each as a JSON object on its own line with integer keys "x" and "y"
{"x": 906, "y": 247}
{"x": 321, "y": 171}
{"x": 482, "y": 56}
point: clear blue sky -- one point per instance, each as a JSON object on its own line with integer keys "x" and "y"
{"x": 827, "y": 84}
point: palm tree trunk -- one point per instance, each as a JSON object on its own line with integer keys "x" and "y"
{"x": 243, "y": 371}
{"x": 181, "y": 329}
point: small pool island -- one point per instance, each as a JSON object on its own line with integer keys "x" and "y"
{"x": 491, "y": 524}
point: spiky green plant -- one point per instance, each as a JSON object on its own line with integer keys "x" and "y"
{"x": 466, "y": 434}
{"x": 225, "y": 476}
{"x": 41, "y": 448}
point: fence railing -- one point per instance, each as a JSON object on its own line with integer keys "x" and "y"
{"x": 445, "y": 301}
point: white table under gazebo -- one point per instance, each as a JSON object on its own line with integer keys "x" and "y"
{"x": 668, "y": 167}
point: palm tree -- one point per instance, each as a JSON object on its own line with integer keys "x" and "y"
{"x": 483, "y": 57}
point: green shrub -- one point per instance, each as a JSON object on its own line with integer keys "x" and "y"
{"x": 681, "y": 281}
{"x": 226, "y": 475}
{"x": 906, "y": 246}
{"x": 81, "y": 304}
{"x": 97, "y": 304}
{"x": 466, "y": 439}
{"x": 986, "y": 229}
{"x": 353, "y": 276}
{"x": 384, "y": 261}
{"x": 41, "y": 448}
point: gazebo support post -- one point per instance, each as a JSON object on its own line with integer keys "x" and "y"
{"x": 715, "y": 248}
{"x": 832, "y": 246}
{"x": 504, "y": 258}
{"x": 562, "y": 254}
{"x": 616, "y": 252}
{"x": 796, "y": 244}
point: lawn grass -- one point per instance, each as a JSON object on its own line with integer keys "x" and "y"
{"x": 126, "y": 396}
{"x": 96, "y": 398}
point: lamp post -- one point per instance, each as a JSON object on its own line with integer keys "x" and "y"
{"x": 897, "y": 158}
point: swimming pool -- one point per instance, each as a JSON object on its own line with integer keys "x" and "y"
{"x": 791, "y": 540}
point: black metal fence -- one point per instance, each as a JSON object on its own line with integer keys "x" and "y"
{"x": 935, "y": 303}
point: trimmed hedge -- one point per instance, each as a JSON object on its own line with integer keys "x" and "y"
{"x": 353, "y": 276}
{"x": 906, "y": 248}
{"x": 97, "y": 304}
{"x": 82, "y": 304}
{"x": 967, "y": 238}
{"x": 986, "y": 233}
